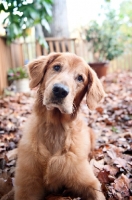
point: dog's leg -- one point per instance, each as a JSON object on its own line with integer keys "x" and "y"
{"x": 76, "y": 175}
{"x": 30, "y": 188}
{"x": 85, "y": 184}
{"x": 28, "y": 180}
{"x": 31, "y": 193}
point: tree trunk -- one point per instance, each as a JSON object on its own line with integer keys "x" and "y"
{"x": 59, "y": 25}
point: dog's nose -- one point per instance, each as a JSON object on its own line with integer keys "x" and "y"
{"x": 60, "y": 90}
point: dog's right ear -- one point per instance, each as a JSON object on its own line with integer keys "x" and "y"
{"x": 37, "y": 68}
{"x": 95, "y": 90}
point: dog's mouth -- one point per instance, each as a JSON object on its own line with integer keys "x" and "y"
{"x": 60, "y": 106}
{"x": 64, "y": 106}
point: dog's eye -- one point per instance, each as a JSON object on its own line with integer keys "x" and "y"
{"x": 80, "y": 78}
{"x": 57, "y": 67}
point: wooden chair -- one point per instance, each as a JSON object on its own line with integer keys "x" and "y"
{"x": 56, "y": 45}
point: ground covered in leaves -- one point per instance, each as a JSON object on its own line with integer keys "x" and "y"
{"x": 111, "y": 122}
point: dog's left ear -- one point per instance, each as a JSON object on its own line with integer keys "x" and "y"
{"x": 95, "y": 90}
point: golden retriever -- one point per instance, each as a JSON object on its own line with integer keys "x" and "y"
{"x": 54, "y": 149}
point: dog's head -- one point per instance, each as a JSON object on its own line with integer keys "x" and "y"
{"x": 63, "y": 80}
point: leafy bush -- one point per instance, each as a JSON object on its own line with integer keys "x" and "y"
{"x": 106, "y": 39}
{"x": 17, "y": 73}
{"x": 22, "y": 15}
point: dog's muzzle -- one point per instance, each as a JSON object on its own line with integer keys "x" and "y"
{"x": 60, "y": 91}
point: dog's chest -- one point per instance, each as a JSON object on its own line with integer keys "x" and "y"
{"x": 54, "y": 140}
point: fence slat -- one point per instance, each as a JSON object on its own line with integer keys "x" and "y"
{"x": 38, "y": 49}
{"x": 51, "y": 46}
{"x": 45, "y": 51}
{"x": 69, "y": 45}
{"x": 5, "y": 63}
{"x": 57, "y": 46}
{"x": 63, "y": 46}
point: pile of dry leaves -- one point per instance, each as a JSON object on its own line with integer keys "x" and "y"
{"x": 111, "y": 121}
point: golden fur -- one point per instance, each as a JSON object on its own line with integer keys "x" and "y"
{"x": 56, "y": 143}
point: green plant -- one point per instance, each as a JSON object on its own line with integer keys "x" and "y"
{"x": 17, "y": 73}
{"x": 23, "y": 14}
{"x": 106, "y": 39}
{"x": 125, "y": 14}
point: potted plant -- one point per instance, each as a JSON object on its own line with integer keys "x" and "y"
{"x": 19, "y": 77}
{"x": 105, "y": 42}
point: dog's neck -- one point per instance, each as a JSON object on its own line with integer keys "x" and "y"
{"x": 53, "y": 127}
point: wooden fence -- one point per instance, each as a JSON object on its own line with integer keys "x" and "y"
{"x": 5, "y": 63}
{"x": 18, "y": 54}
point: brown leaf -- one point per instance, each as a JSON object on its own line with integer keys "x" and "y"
{"x": 103, "y": 176}
{"x": 108, "y": 121}
{"x": 100, "y": 110}
{"x": 5, "y": 186}
{"x": 122, "y": 185}
{"x": 11, "y": 155}
{"x": 8, "y": 196}
{"x": 112, "y": 169}
{"x": 120, "y": 162}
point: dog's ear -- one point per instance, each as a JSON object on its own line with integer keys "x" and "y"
{"x": 38, "y": 67}
{"x": 95, "y": 90}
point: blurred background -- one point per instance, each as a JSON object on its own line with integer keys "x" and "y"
{"x": 100, "y": 31}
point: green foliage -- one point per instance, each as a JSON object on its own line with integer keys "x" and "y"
{"x": 126, "y": 16}
{"x": 106, "y": 38}
{"x": 126, "y": 10}
{"x": 17, "y": 73}
{"x": 23, "y": 14}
